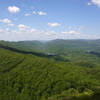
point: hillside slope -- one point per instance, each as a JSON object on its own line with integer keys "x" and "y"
{"x": 30, "y": 77}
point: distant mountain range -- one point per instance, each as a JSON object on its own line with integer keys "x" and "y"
{"x": 55, "y": 46}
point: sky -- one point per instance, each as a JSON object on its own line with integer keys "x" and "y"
{"x": 49, "y": 19}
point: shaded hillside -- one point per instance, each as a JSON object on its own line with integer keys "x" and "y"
{"x": 23, "y": 45}
{"x": 53, "y": 56}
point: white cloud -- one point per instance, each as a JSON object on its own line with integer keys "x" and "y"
{"x": 13, "y": 9}
{"x": 77, "y": 31}
{"x": 96, "y": 2}
{"x": 33, "y": 30}
{"x": 1, "y": 30}
{"x": 71, "y": 32}
{"x": 27, "y": 14}
{"x": 22, "y": 27}
{"x": 36, "y": 34}
{"x": 5, "y": 21}
{"x": 11, "y": 24}
{"x": 54, "y": 24}
{"x": 89, "y": 4}
{"x": 28, "y": 34}
{"x": 7, "y": 29}
{"x": 34, "y": 12}
{"x": 41, "y": 13}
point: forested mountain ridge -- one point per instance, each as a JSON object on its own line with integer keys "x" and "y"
{"x": 69, "y": 76}
{"x": 55, "y": 46}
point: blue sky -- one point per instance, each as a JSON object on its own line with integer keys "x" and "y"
{"x": 49, "y": 19}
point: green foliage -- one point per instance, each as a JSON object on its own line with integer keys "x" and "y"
{"x": 70, "y": 75}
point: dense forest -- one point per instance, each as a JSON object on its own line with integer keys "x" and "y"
{"x": 50, "y": 70}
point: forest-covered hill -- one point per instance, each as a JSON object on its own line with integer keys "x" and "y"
{"x": 55, "y": 46}
{"x": 50, "y": 70}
